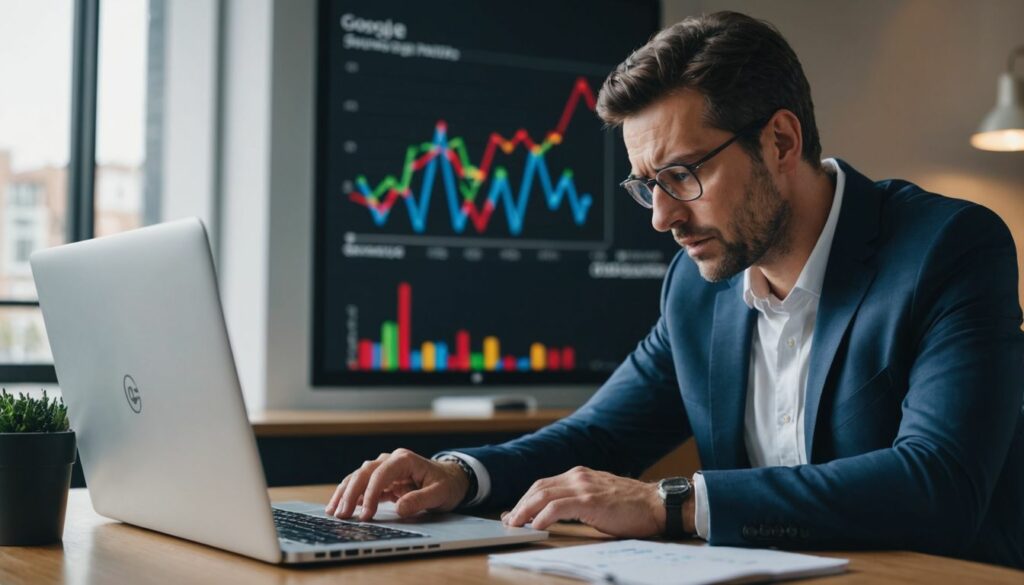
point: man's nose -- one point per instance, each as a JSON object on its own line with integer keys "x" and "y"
{"x": 667, "y": 211}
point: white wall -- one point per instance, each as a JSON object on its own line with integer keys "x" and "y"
{"x": 245, "y": 187}
{"x": 899, "y": 86}
{"x": 189, "y": 125}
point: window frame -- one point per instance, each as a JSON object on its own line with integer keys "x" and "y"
{"x": 80, "y": 223}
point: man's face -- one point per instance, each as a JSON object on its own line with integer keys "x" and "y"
{"x": 741, "y": 219}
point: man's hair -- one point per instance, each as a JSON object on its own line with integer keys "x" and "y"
{"x": 742, "y": 66}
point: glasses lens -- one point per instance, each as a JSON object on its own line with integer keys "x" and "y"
{"x": 638, "y": 190}
{"x": 679, "y": 182}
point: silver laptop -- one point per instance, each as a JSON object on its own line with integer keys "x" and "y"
{"x": 145, "y": 366}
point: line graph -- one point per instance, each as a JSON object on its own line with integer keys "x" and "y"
{"x": 462, "y": 181}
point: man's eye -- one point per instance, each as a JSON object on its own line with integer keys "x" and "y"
{"x": 678, "y": 176}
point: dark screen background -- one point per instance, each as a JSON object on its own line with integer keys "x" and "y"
{"x": 531, "y": 275}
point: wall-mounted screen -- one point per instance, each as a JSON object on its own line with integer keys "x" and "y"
{"x": 469, "y": 226}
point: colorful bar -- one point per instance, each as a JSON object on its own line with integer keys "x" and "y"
{"x": 538, "y": 357}
{"x": 462, "y": 349}
{"x": 492, "y": 352}
{"x": 404, "y": 325}
{"x": 554, "y": 358}
{"x": 394, "y": 350}
{"x": 568, "y": 358}
{"x": 389, "y": 345}
{"x": 441, "y": 360}
{"x": 365, "y": 354}
{"x": 427, "y": 351}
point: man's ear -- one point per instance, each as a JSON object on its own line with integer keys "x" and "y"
{"x": 782, "y": 139}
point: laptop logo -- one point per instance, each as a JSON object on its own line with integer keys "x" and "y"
{"x": 131, "y": 392}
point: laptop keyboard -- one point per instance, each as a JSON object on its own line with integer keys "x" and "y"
{"x": 316, "y": 530}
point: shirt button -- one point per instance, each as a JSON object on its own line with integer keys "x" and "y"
{"x": 791, "y": 343}
{"x": 784, "y": 419}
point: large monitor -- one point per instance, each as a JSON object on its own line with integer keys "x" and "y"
{"x": 469, "y": 228}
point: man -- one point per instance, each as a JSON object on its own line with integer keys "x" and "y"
{"x": 847, "y": 354}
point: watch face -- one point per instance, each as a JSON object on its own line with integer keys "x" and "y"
{"x": 674, "y": 486}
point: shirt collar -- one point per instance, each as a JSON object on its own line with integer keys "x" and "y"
{"x": 812, "y": 277}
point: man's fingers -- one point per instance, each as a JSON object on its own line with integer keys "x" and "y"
{"x": 336, "y": 497}
{"x": 355, "y": 487}
{"x": 395, "y": 468}
{"x": 428, "y": 498}
{"x": 555, "y": 510}
{"x": 533, "y": 503}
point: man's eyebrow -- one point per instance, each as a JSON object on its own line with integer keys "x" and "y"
{"x": 683, "y": 157}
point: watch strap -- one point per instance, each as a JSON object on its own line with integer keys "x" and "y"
{"x": 674, "y": 520}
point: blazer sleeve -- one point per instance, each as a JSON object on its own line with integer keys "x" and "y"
{"x": 931, "y": 489}
{"x": 634, "y": 419}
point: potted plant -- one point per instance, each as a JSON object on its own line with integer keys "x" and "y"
{"x": 36, "y": 454}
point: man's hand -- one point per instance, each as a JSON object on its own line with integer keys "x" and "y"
{"x": 413, "y": 482}
{"x": 615, "y": 505}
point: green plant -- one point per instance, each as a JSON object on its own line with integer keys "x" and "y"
{"x": 25, "y": 414}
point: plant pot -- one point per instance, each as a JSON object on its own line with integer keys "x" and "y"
{"x": 35, "y": 474}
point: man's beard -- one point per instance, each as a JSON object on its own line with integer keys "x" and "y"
{"x": 761, "y": 225}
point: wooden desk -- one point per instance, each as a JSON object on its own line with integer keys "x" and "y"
{"x": 299, "y": 423}
{"x": 99, "y": 550}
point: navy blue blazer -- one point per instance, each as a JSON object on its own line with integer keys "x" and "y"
{"x": 914, "y": 422}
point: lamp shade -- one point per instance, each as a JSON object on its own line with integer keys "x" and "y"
{"x": 1003, "y": 127}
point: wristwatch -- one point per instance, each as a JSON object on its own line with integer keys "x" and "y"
{"x": 471, "y": 492}
{"x": 674, "y": 491}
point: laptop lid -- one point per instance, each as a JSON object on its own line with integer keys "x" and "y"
{"x": 145, "y": 366}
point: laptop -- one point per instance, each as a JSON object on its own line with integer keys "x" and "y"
{"x": 145, "y": 367}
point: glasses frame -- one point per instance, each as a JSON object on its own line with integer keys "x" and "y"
{"x": 690, "y": 168}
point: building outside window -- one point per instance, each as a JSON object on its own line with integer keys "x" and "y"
{"x": 38, "y": 50}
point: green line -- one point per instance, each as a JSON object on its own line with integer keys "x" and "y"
{"x": 468, "y": 187}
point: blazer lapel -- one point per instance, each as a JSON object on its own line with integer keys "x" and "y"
{"x": 847, "y": 279}
{"x": 729, "y": 370}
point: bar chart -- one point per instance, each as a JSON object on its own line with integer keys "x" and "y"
{"x": 394, "y": 350}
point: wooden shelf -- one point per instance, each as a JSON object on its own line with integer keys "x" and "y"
{"x": 299, "y": 423}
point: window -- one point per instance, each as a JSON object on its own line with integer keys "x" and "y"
{"x": 23, "y": 249}
{"x": 72, "y": 145}
{"x": 25, "y": 194}
{"x": 120, "y": 116}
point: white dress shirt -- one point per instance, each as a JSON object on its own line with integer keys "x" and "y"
{"x": 779, "y": 361}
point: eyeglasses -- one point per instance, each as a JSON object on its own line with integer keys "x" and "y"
{"x": 679, "y": 180}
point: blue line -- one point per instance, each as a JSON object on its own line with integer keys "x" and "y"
{"x": 500, "y": 193}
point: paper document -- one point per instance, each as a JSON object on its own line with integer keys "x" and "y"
{"x": 638, "y": 562}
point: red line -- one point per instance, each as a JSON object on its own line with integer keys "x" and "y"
{"x": 582, "y": 88}
{"x": 482, "y": 217}
{"x": 456, "y": 163}
{"x": 383, "y": 206}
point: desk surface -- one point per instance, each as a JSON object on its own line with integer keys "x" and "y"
{"x": 294, "y": 423}
{"x": 99, "y": 550}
